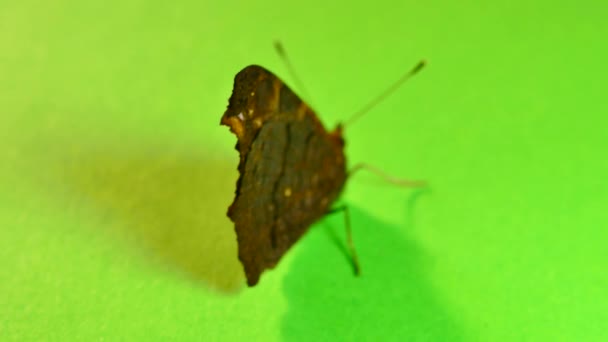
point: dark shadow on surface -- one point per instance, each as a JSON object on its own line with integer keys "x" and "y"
{"x": 168, "y": 205}
{"x": 392, "y": 300}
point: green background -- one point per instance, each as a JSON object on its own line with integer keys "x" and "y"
{"x": 115, "y": 175}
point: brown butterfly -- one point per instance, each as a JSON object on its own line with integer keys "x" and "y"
{"x": 291, "y": 168}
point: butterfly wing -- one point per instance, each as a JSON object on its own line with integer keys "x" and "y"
{"x": 291, "y": 168}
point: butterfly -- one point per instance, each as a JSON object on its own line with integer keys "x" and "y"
{"x": 291, "y": 168}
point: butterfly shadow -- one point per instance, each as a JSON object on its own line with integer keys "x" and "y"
{"x": 168, "y": 206}
{"x": 392, "y": 300}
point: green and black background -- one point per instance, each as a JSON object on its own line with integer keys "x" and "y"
{"x": 115, "y": 175}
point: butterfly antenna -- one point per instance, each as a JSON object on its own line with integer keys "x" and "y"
{"x": 281, "y": 51}
{"x": 385, "y": 94}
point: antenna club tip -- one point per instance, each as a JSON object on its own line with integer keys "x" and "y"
{"x": 419, "y": 66}
{"x": 279, "y": 47}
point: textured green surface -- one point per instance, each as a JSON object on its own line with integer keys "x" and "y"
{"x": 115, "y": 175}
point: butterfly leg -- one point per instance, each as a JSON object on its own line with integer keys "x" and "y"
{"x": 387, "y": 178}
{"x": 349, "y": 236}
